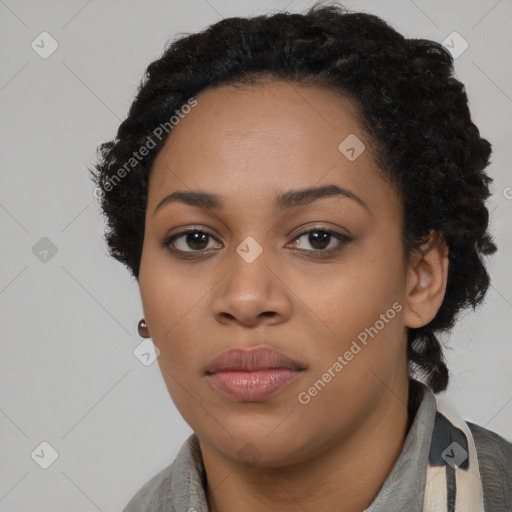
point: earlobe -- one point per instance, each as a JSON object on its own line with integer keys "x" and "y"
{"x": 427, "y": 275}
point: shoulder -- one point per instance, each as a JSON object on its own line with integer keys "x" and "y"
{"x": 495, "y": 463}
{"x": 147, "y": 498}
{"x": 180, "y": 483}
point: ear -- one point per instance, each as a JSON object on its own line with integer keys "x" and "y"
{"x": 427, "y": 275}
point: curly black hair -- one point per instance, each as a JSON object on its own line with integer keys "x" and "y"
{"x": 413, "y": 109}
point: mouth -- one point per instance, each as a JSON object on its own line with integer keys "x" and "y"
{"x": 252, "y": 375}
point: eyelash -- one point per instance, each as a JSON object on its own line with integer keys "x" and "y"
{"x": 195, "y": 254}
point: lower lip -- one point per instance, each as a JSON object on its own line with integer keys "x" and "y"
{"x": 252, "y": 386}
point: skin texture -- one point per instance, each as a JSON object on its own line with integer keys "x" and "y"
{"x": 248, "y": 144}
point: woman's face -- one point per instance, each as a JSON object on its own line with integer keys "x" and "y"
{"x": 250, "y": 278}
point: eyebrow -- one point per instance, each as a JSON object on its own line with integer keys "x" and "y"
{"x": 283, "y": 201}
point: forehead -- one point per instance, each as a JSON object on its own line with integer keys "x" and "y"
{"x": 256, "y": 139}
{"x": 272, "y": 113}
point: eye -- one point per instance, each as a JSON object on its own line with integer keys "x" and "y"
{"x": 321, "y": 239}
{"x": 195, "y": 239}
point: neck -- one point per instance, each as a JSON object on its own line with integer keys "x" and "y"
{"x": 345, "y": 477}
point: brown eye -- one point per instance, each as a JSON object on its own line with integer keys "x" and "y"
{"x": 320, "y": 240}
{"x": 189, "y": 241}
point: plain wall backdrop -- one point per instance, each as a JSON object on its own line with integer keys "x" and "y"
{"x": 69, "y": 376}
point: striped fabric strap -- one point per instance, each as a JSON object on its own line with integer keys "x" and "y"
{"x": 453, "y": 481}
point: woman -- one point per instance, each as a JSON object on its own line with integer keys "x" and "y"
{"x": 301, "y": 199}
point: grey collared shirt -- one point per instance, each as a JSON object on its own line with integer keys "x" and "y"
{"x": 181, "y": 486}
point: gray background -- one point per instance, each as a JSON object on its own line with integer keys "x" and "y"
{"x": 69, "y": 323}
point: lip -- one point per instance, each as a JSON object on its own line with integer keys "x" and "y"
{"x": 252, "y": 374}
{"x": 252, "y": 359}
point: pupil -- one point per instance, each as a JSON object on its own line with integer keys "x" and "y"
{"x": 196, "y": 238}
{"x": 314, "y": 239}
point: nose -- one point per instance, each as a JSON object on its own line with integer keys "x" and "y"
{"x": 253, "y": 292}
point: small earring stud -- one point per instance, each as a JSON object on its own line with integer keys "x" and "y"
{"x": 142, "y": 327}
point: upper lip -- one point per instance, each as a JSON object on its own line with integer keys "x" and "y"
{"x": 243, "y": 359}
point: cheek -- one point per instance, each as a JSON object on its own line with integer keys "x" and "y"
{"x": 354, "y": 295}
{"x": 361, "y": 305}
{"x": 167, "y": 292}
{"x": 167, "y": 300}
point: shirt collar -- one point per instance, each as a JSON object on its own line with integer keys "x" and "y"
{"x": 184, "y": 487}
{"x": 403, "y": 489}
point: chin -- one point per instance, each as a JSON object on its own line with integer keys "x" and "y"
{"x": 268, "y": 446}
